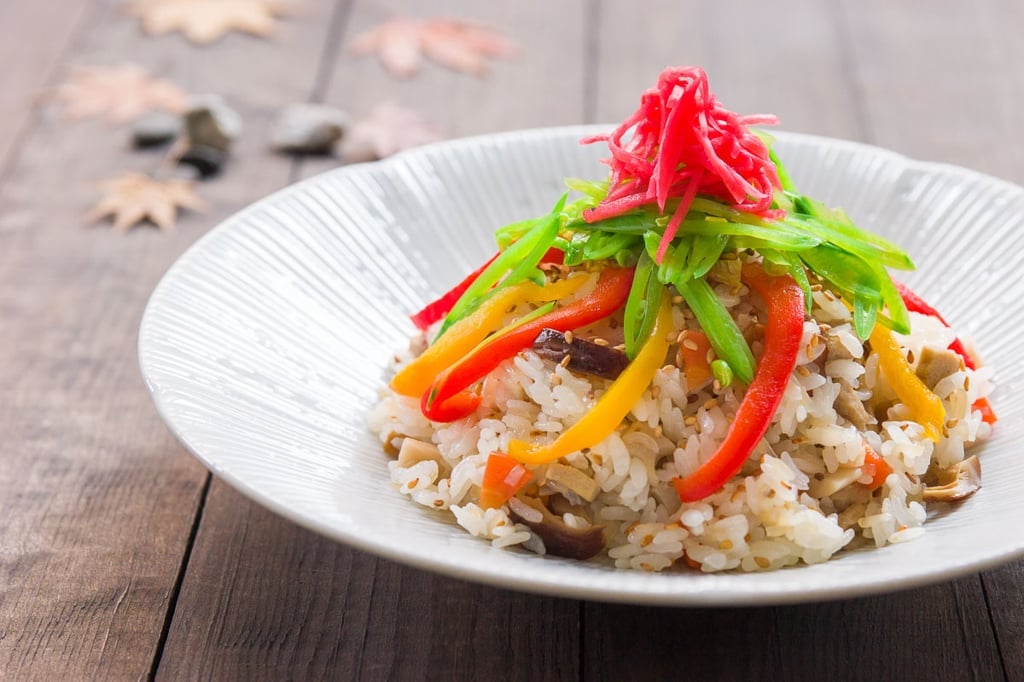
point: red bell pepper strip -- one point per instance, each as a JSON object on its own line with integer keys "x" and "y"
{"x": 782, "y": 337}
{"x": 875, "y": 467}
{"x": 450, "y": 397}
{"x": 916, "y": 304}
{"x": 436, "y": 310}
{"x": 503, "y": 477}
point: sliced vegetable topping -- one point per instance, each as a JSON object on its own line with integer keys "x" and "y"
{"x": 685, "y": 142}
{"x": 416, "y": 377}
{"x": 925, "y": 407}
{"x": 451, "y": 397}
{"x": 783, "y": 333}
{"x": 516, "y": 263}
{"x": 613, "y": 406}
{"x": 875, "y": 467}
{"x": 694, "y": 349}
{"x": 503, "y": 478}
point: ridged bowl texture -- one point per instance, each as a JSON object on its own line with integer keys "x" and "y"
{"x": 265, "y": 345}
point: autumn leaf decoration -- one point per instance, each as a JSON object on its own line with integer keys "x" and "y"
{"x": 207, "y": 21}
{"x": 401, "y": 43}
{"x": 386, "y": 130}
{"x": 133, "y": 198}
{"x": 120, "y": 93}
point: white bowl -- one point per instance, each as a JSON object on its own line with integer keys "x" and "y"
{"x": 266, "y": 343}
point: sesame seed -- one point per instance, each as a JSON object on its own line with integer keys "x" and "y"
{"x": 438, "y": 503}
{"x": 620, "y": 346}
{"x": 710, "y": 355}
{"x": 690, "y": 421}
{"x": 829, "y": 295}
{"x": 716, "y": 386}
{"x": 568, "y": 337}
{"x": 710, "y": 403}
{"x": 802, "y": 370}
{"x": 601, "y": 342}
{"x": 648, "y": 539}
{"x": 555, "y": 379}
{"x": 725, "y": 544}
{"x": 762, "y": 562}
{"x": 565, "y": 361}
{"x": 690, "y": 344}
{"x": 677, "y": 299}
{"x": 813, "y": 343}
{"x": 670, "y": 337}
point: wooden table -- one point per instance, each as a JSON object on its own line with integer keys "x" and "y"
{"x": 120, "y": 556}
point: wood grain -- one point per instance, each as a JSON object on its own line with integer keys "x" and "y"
{"x": 97, "y": 500}
{"x": 264, "y": 599}
{"x": 34, "y": 39}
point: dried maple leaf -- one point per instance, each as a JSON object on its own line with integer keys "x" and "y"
{"x": 385, "y": 130}
{"x": 132, "y": 198}
{"x": 401, "y": 42}
{"x": 121, "y": 93}
{"x": 206, "y": 21}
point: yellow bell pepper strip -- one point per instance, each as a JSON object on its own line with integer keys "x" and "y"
{"x": 600, "y": 421}
{"x": 925, "y": 407}
{"x": 464, "y": 335}
{"x": 783, "y": 333}
{"x": 450, "y": 396}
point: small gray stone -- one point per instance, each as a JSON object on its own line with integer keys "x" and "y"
{"x": 308, "y": 129}
{"x": 206, "y": 160}
{"x": 210, "y": 122}
{"x": 155, "y": 129}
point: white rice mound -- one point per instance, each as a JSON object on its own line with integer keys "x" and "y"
{"x": 800, "y": 496}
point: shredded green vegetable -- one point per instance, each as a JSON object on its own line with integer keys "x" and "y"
{"x": 811, "y": 241}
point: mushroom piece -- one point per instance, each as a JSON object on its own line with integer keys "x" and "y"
{"x": 966, "y": 479}
{"x": 573, "y": 479}
{"x": 414, "y": 451}
{"x": 834, "y": 482}
{"x": 584, "y": 356}
{"x": 559, "y": 538}
{"x": 850, "y": 407}
{"x": 936, "y": 365}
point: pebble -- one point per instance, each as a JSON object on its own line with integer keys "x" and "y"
{"x": 210, "y": 128}
{"x": 155, "y": 129}
{"x": 308, "y": 129}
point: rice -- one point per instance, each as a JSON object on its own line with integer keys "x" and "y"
{"x": 799, "y": 498}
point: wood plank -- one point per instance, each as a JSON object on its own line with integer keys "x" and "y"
{"x": 97, "y": 500}
{"x": 263, "y": 598}
{"x": 33, "y": 38}
{"x": 817, "y": 641}
{"x": 283, "y": 603}
{"x": 802, "y": 71}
